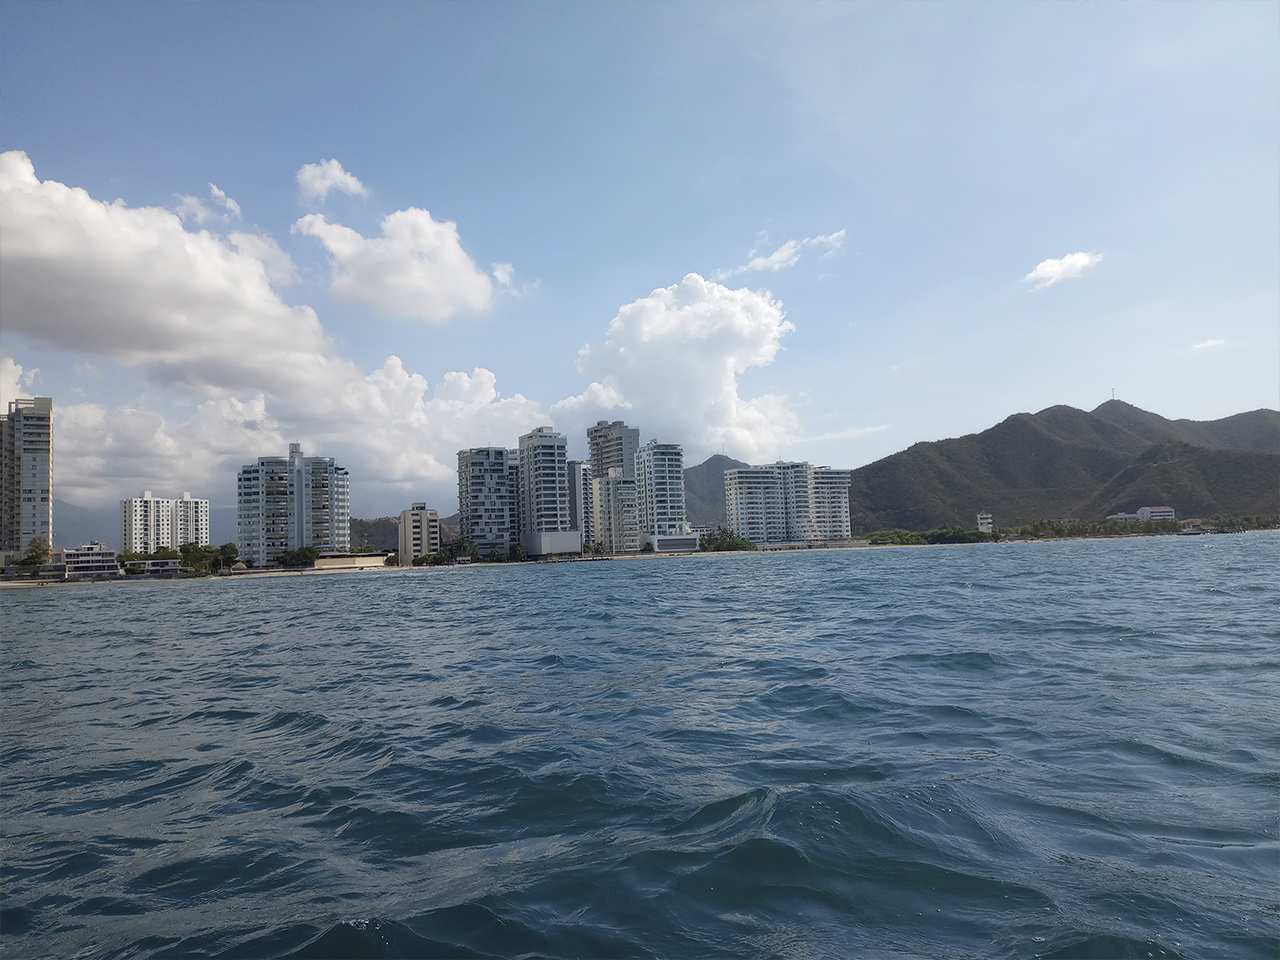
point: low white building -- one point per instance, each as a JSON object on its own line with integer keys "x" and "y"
{"x": 93, "y": 559}
{"x": 419, "y": 533}
{"x": 1156, "y": 513}
{"x": 984, "y": 523}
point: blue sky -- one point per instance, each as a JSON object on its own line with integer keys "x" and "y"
{"x": 896, "y": 172}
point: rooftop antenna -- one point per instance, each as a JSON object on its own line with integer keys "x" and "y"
{"x": 1113, "y": 393}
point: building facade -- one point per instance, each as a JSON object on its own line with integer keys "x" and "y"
{"x": 26, "y": 473}
{"x": 419, "y": 533}
{"x": 489, "y": 498}
{"x": 613, "y": 446}
{"x": 543, "y": 485}
{"x": 285, "y": 503}
{"x": 664, "y": 526}
{"x": 617, "y": 512}
{"x": 149, "y": 523}
{"x": 581, "y": 509}
{"x": 93, "y": 559}
{"x": 788, "y": 502}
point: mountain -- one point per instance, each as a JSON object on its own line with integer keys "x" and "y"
{"x": 704, "y": 489}
{"x": 1064, "y": 462}
{"x": 73, "y": 526}
{"x": 381, "y": 534}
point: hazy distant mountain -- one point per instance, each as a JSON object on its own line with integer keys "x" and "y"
{"x": 704, "y": 489}
{"x": 1064, "y": 462}
{"x": 74, "y": 525}
{"x": 381, "y": 534}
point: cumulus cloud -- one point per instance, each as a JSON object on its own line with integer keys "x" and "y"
{"x": 193, "y": 208}
{"x": 503, "y": 272}
{"x": 197, "y": 317}
{"x": 417, "y": 269}
{"x": 1049, "y": 272}
{"x": 1205, "y": 344}
{"x": 315, "y": 180}
{"x": 786, "y": 255}
{"x": 15, "y": 383}
{"x": 277, "y": 264}
{"x": 675, "y": 357}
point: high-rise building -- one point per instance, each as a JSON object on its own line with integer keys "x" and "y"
{"x": 543, "y": 484}
{"x": 660, "y": 498}
{"x": 617, "y": 512}
{"x": 190, "y": 520}
{"x": 26, "y": 473}
{"x": 286, "y": 503}
{"x": 488, "y": 499}
{"x": 149, "y": 523}
{"x": 788, "y": 503}
{"x": 613, "y": 446}
{"x": 419, "y": 533}
{"x": 581, "y": 511}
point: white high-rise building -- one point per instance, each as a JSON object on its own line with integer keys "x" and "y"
{"x": 788, "y": 503}
{"x": 26, "y": 473}
{"x": 488, "y": 498}
{"x": 149, "y": 523}
{"x": 543, "y": 483}
{"x": 419, "y": 533}
{"x": 146, "y": 523}
{"x": 660, "y": 497}
{"x": 581, "y": 511}
{"x": 286, "y": 503}
{"x": 617, "y": 512}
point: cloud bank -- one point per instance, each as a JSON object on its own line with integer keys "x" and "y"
{"x": 1049, "y": 272}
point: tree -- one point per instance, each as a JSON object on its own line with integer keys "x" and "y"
{"x": 722, "y": 539}
{"x": 302, "y": 557}
{"x": 393, "y": 560}
{"x": 518, "y": 552}
{"x": 38, "y": 553}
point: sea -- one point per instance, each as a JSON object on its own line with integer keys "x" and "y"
{"x": 1053, "y": 749}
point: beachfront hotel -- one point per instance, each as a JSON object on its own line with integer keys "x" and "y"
{"x": 788, "y": 502}
{"x": 659, "y": 469}
{"x": 26, "y": 473}
{"x": 149, "y": 523}
{"x": 285, "y": 503}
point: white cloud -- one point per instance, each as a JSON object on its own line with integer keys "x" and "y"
{"x": 1049, "y": 272}
{"x": 786, "y": 255}
{"x": 503, "y": 272}
{"x": 1205, "y": 344}
{"x": 193, "y": 208}
{"x": 315, "y": 180}
{"x": 848, "y": 433}
{"x": 674, "y": 358}
{"x": 197, "y": 317}
{"x": 275, "y": 261}
{"x": 417, "y": 269}
{"x": 15, "y": 383}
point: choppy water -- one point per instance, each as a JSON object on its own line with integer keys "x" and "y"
{"x": 1058, "y": 749}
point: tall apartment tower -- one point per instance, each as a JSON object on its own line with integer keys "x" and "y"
{"x": 543, "y": 485}
{"x": 613, "y": 446}
{"x": 26, "y": 473}
{"x": 581, "y": 511}
{"x": 146, "y": 523}
{"x": 488, "y": 498}
{"x": 419, "y": 533}
{"x": 788, "y": 503}
{"x": 660, "y": 498}
{"x": 190, "y": 522}
{"x": 617, "y": 512}
{"x": 285, "y": 503}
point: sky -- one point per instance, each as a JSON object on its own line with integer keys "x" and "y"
{"x": 816, "y": 232}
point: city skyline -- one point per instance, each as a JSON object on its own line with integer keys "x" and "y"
{"x": 799, "y": 233}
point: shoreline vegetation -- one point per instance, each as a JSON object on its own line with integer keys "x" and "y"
{"x": 722, "y": 541}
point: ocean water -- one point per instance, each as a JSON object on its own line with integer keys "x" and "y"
{"x": 1031, "y": 750}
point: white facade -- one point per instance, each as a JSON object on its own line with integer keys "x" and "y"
{"x": 788, "y": 502}
{"x": 488, "y": 498}
{"x": 93, "y": 559}
{"x": 149, "y": 523}
{"x": 581, "y": 509}
{"x": 1155, "y": 513}
{"x": 285, "y": 503}
{"x": 545, "y": 521}
{"x": 419, "y": 533}
{"x": 984, "y": 523}
{"x": 617, "y": 512}
{"x": 26, "y": 473}
{"x": 660, "y": 496}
